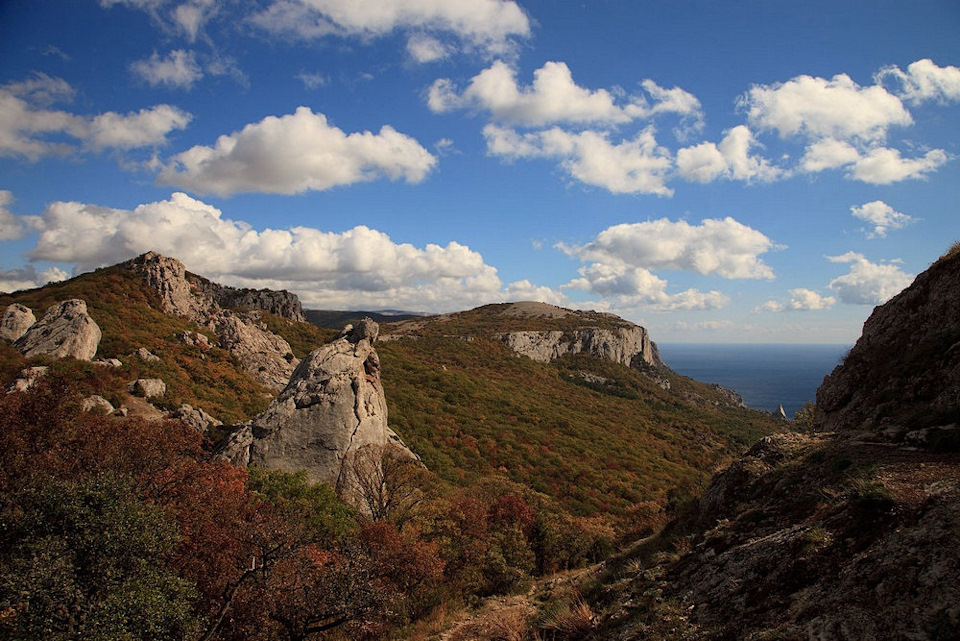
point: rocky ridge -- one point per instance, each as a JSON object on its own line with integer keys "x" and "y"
{"x": 903, "y": 374}
{"x": 629, "y": 346}
{"x": 333, "y": 407}
{"x": 263, "y": 354}
{"x": 825, "y": 535}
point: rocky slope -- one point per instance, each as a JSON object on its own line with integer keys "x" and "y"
{"x": 266, "y": 356}
{"x": 333, "y": 407}
{"x": 824, "y": 535}
{"x": 903, "y": 375}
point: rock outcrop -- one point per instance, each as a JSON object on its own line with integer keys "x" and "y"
{"x": 65, "y": 331}
{"x": 16, "y": 320}
{"x": 191, "y": 296}
{"x": 147, "y": 387}
{"x": 903, "y": 374}
{"x": 629, "y": 346}
{"x": 195, "y": 417}
{"x": 332, "y": 407}
{"x": 264, "y": 355}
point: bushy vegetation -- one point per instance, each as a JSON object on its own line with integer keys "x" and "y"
{"x": 130, "y": 317}
{"x": 121, "y": 528}
{"x": 473, "y": 409}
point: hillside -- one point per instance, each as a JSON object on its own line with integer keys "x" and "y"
{"x": 850, "y": 533}
{"x": 541, "y": 438}
{"x": 597, "y": 436}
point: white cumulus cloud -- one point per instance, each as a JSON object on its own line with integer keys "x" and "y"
{"x": 731, "y": 159}
{"x": 179, "y": 69}
{"x": 10, "y": 226}
{"x": 629, "y": 287}
{"x": 486, "y": 25}
{"x": 360, "y": 267}
{"x": 726, "y": 248}
{"x": 554, "y": 98}
{"x": 868, "y": 283}
{"x": 296, "y": 153}
{"x": 883, "y": 165}
{"x": 29, "y": 130}
{"x": 924, "y": 81}
{"x": 632, "y": 166}
{"x": 424, "y": 48}
{"x": 820, "y": 108}
{"x": 28, "y": 277}
{"x": 806, "y": 300}
{"x": 882, "y": 216}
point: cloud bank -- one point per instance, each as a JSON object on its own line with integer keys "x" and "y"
{"x": 30, "y": 130}
{"x": 360, "y": 267}
{"x": 296, "y": 153}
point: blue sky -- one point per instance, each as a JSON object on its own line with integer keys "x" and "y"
{"x": 717, "y": 172}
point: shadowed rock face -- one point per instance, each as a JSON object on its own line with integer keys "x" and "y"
{"x": 904, "y": 372}
{"x": 65, "y": 331}
{"x": 332, "y": 407}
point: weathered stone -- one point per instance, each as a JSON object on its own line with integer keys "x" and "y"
{"x": 194, "y": 338}
{"x": 65, "y": 331}
{"x": 97, "y": 404}
{"x": 147, "y": 387}
{"x": 195, "y": 418}
{"x": 28, "y": 377}
{"x": 194, "y": 297}
{"x": 333, "y": 406}
{"x": 146, "y": 355}
{"x": 629, "y": 345}
{"x": 108, "y": 362}
{"x": 17, "y": 319}
{"x": 168, "y": 277}
{"x": 263, "y": 354}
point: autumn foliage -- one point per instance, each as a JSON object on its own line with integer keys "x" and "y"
{"x": 115, "y": 528}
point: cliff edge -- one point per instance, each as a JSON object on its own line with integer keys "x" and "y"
{"x": 903, "y": 374}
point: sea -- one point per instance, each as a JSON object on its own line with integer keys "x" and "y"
{"x": 765, "y": 375}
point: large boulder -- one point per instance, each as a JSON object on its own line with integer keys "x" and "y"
{"x": 16, "y": 320}
{"x": 332, "y": 407}
{"x": 65, "y": 331}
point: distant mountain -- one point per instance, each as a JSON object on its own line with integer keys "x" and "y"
{"x": 331, "y": 319}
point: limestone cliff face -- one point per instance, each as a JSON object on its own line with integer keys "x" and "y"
{"x": 904, "y": 372}
{"x": 264, "y": 355}
{"x": 332, "y": 407}
{"x": 630, "y": 345}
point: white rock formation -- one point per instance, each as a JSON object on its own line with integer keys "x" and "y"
{"x": 16, "y": 320}
{"x": 147, "y": 387}
{"x": 629, "y": 345}
{"x": 65, "y": 331}
{"x": 333, "y": 406}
